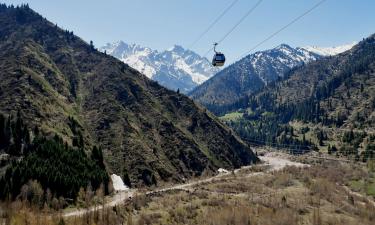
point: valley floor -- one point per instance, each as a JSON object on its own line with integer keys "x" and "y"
{"x": 282, "y": 190}
{"x": 272, "y": 162}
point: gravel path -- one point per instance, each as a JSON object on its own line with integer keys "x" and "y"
{"x": 275, "y": 162}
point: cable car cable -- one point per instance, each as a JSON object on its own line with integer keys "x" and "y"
{"x": 240, "y": 21}
{"x": 236, "y": 25}
{"x": 283, "y": 28}
{"x": 213, "y": 24}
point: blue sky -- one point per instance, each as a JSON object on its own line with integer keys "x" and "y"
{"x": 160, "y": 24}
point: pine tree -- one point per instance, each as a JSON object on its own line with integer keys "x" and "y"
{"x": 97, "y": 156}
{"x": 329, "y": 149}
{"x": 92, "y": 47}
{"x": 3, "y": 137}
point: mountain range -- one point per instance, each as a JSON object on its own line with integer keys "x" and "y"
{"x": 175, "y": 68}
{"x": 330, "y": 51}
{"x": 60, "y": 86}
{"x": 253, "y": 72}
{"x": 184, "y": 70}
{"x": 327, "y": 105}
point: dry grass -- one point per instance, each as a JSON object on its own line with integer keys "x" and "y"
{"x": 314, "y": 195}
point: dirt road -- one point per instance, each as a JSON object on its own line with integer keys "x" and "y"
{"x": 275, "y": 163}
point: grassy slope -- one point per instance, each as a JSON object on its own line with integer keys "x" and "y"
{"x": 146, "y": 131}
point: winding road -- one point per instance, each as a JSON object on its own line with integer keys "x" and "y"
{"x": 274, "y": 163}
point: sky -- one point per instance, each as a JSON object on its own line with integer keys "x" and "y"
{"x": 160, "y": 24}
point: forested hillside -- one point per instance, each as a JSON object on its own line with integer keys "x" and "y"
{"x": 49, "y": 163}
{"x": 64, "y": 87}
{"x": 328, "y": 104}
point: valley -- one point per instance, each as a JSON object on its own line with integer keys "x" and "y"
{"x": 326, "y": 106}
{"x": 60, "y": 86}
{"x": 290, "y": 188}
{"x": 126, "y": 134}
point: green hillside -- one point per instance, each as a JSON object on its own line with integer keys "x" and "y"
{"x": 327, "y": 105}
{"x": 64, "y": 86}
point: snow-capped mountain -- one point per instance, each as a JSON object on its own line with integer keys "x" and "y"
{"x": 271, "y": 64}
{"x": 175, "y": 68}
{"x": 250, "y": 74}
{"x": 330, "y": 51}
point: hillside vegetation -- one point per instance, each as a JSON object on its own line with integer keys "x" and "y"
{"x": 31, "y": 167}
{"x": 327, "y": 105}
{"x": 329, "y": 193}
{"x": 249, "y": 75}
{"x": 64, "y": 86}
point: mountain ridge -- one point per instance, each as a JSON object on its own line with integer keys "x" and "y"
{"x": 62, "y": 85}
{"x": 327, "y": 105}
{"x": 330, "y": 51}
{"x": 249, "y": 74}
{"x": 174, "y": 68}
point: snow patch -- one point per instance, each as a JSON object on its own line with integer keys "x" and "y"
{"x": 221, "y": 170}
{"x": 330, "y": 51}
{"x": 118, "y": 184}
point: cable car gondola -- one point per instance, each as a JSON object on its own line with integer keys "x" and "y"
{"x": 219, "y": 58}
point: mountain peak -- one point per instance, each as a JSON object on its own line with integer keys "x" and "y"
{"x": 176, "y": 48}
{"x": 250, "y": 74}
{"x": 122, "y": 112}
{"x": 283, "y": 46}
{"x": 174, "y": 68}
{"x": 117, "y": 43}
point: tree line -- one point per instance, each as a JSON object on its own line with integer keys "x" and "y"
{"x": 265, "y": 118}
{"x": 59, "y": 168}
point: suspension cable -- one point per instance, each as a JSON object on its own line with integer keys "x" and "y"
{"x": 283, "y": 28}
{"x": 212, "y": 24}
{"x": 236, "y": 25}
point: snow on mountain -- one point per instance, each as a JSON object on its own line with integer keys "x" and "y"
{"x": 270, "y": 64}
{"x": 330, "y": 51}
{"x": 175, "y": 68}
{"x": 250, "y": 74}
{"x": 256, "y": 70}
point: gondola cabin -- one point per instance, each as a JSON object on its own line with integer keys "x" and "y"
{"x": 219, "y": 59}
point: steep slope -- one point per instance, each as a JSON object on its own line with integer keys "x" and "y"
{"x": 330, "y": 102}
{"x": 250, "y": 74}
{"x": 64, "y": 86}
{"x": 328, "y": 73}
{"x": 175, "y": 68}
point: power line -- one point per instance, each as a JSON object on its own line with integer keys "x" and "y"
{"x": 368, "y": 132}
{"x": 240, "y": 21}
{"x": 236, "y": 25}
{"x": 284, "y": 27}
{"x": 275, "y": 144}
{"x": 347, "y": 154}
{"x": 213, "y": 23}
{"x": 295, "y": 148}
